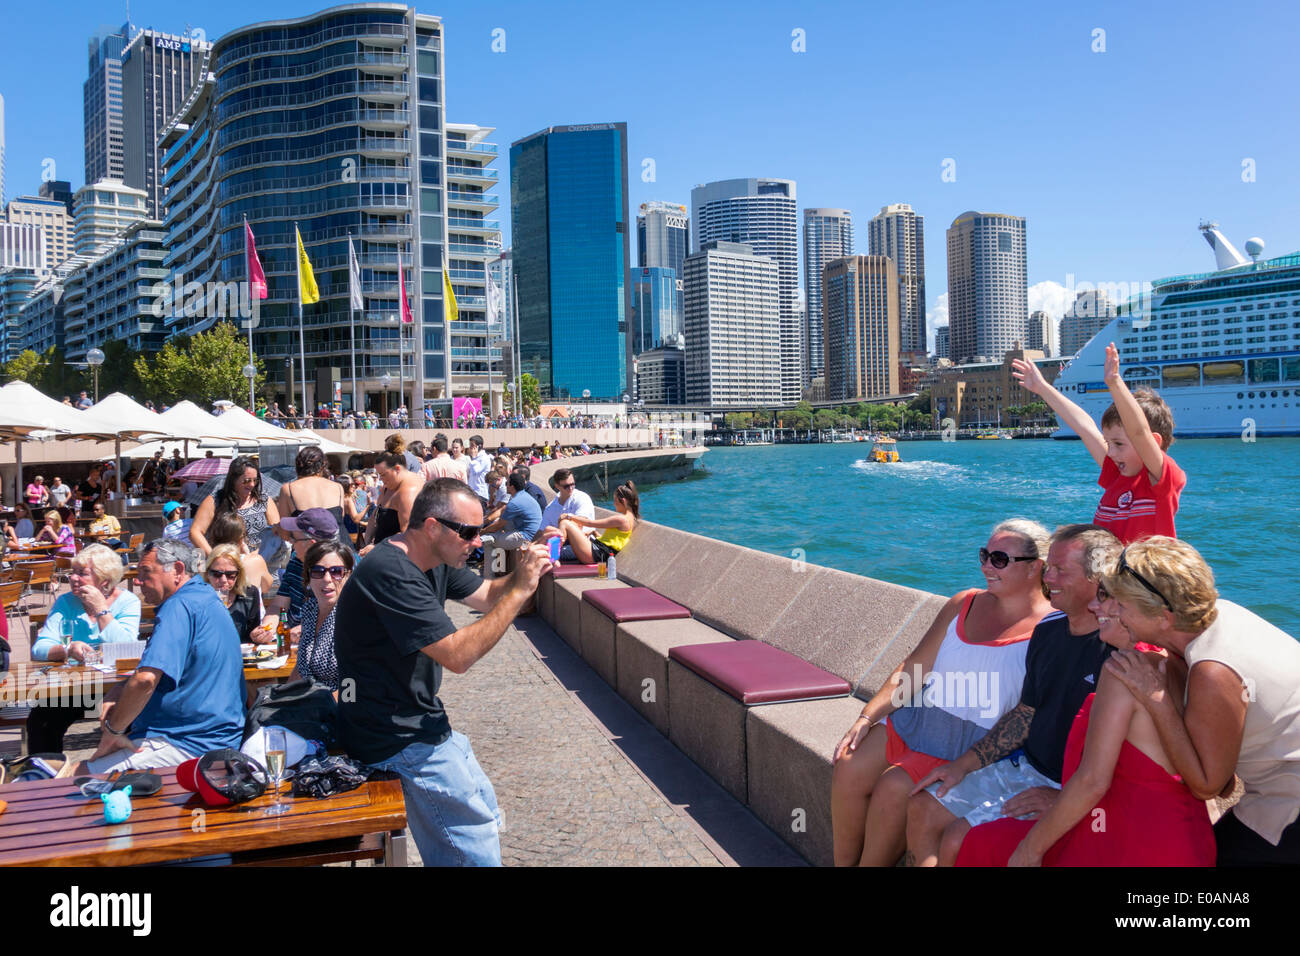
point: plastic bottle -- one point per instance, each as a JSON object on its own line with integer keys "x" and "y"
{"x": 612, "y": 572}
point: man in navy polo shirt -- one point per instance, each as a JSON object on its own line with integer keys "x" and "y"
{"x": 187, "y": 696}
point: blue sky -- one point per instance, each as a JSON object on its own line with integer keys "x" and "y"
{"x": 1112, "y": 156}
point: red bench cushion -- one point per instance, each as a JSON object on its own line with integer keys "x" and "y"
{"x": 634, "y": 604}
{"x": 575, "y": 571}
{"x": 758, "y": 673}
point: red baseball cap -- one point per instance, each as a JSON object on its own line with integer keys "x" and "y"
{"x": 223, "y": 777}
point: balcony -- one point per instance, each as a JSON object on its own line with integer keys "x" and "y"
{"x": 372, "y": 144}
{"x": 388, "y": 119}
{"x": 483, "y": 201}
{"x": 377, "y": 62}
{"x": 482, "y": 226}
{"x": 471, "y": 172}
{"x": 469, "y": 249}
{"x": 471, "y": 149}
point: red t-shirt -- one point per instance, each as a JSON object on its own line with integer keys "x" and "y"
{"x": 1133, "y": 508}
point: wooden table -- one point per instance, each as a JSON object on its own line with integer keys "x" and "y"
{"x": 49, "y": 823}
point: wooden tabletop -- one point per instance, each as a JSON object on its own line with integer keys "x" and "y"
{"x": 49, "y": 823}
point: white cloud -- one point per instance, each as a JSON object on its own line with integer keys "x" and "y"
{"x": 935, "y": 315}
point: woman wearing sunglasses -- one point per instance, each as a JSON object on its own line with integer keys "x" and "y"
{"x": 225, "y": 572}
{"x": 325, "y": 570}
{"x": 1117, "y": 772}
{"x": 1241, "y": 713}
{"x": 965, "y": 674}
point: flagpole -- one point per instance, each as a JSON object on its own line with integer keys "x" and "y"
{"x": 352, "y": 325}
{"x": 298, "y": 250}
{"x": 248, "y": 268}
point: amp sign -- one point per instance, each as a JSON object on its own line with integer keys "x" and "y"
{"x": 167, "y": 43}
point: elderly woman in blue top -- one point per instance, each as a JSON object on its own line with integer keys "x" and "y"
{"x": 94, "y": 612}
{"x": 187, "y": 695}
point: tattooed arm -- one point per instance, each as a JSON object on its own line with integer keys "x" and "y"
{"x": 1009, "y": 733}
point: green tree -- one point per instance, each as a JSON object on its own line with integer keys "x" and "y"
{"x": 58, "y": 378}
{"x": 202, "y": 369}
{"x": 921, "y": 403}
{"x": 530, "y": 394}
{"x": 824, "y": 418}
{"x": 27, "y": 366}
{"x": 118, "y": 372}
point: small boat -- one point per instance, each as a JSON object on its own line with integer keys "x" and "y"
{"x": 884, "y": 451}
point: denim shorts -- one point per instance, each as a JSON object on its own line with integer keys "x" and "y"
{"x": 451, "y": 807}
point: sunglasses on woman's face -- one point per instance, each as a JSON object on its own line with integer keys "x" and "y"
{"x": 231, "y": 575}
{"x": 338, "y": 572}
{"x": 999, "y": 559}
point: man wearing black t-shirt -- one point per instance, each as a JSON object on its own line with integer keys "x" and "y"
{"x": 1062, "y": 667}
{"x": 392, "y": 639}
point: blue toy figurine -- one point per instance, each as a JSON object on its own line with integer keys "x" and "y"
{"x": 117, "y": 805}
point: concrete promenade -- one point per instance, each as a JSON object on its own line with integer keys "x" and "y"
{"x": 581, "y": 779}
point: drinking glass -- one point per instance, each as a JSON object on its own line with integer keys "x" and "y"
{"x": 275, "y": 756}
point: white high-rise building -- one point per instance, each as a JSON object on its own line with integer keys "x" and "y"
{"x": 22, "y": 247}
{"x": 52, "y": 218}
{"x": 987, "y": 290}
{"x": 827, "y": 235}
{"x": 2, "y": 151}
{"x": 733, "y": 327}
{"x": 899, "y": 233}
{"x": 761, "y": 213}
{"x": 102, "y": 211}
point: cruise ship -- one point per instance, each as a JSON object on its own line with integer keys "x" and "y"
{"x": 1222, "y": 348}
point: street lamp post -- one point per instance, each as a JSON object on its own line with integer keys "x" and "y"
{"x": 386, "y": 380}
{"x": 95, "y": 358}
{"x": 586, "y": 403}
{"x": 250, "y": 373}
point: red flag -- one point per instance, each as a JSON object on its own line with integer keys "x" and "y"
{"x": 407, "y": 315}
{"x": 256, "y": 277}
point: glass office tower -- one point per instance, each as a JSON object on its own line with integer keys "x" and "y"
{"x": 569, "y": 213}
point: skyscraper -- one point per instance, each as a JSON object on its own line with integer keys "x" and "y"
{"x": 733, "y": 326}
{"x": 2, "y": 151}
{"x": 377, "y": 174}
{"x": 861, "y": 307}
{"x": 1089, "y": 313}
{"x": 942, "y": 343}
{"x": 53, "y": 219}
{"x": 655, "y": 318}
{"x": 827, "y": 235}
{"x": 58, "y": 189}
{"x": 898, "y": 232}
{"x": 159, "y": 74}
{"x": 760, "y": 213}
{"x": 987, "y": 291}
{"x": 473, "y": 241}
{"x": 103, "y": 210}
{"x": 663, "y": 236}
{"x": 102, "y": 103}
{"x": 1039, "y": 335}
{"x": 570, "y": 247}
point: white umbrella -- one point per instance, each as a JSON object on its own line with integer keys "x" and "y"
{"x": 132, "y": 420}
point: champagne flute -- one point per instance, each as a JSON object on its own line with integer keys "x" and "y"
{"x": 275, "y": 754}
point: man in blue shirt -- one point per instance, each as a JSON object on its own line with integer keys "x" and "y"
{"x": 520, "y": 521}
{"x": 187, "y": 696}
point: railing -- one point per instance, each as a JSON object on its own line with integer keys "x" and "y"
{"x": 484, "y": 199}
{"x": 490, "y": 225}
{"x": 475, "y": 172}
{"x": 462, "y": 146}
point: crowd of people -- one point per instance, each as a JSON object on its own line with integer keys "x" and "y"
{"x": 333, "y": 415}
{"x": 361, "y": 565}
{"x": 1083, "y": 706}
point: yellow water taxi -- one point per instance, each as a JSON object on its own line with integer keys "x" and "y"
{"x": 884, "y": 451}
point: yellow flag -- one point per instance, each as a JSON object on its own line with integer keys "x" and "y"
{"x": 307, "y": 290}
{"x": 448, "y": 295}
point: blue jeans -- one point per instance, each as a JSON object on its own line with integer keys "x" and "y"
{"x": 451, "y": 807}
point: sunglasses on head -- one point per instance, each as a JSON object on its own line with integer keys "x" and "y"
{"x": 467, "y": 532}
{"x": 999, "y": 559}
{"x": 1125, "y": 566}
{"x": 338, "y": 572}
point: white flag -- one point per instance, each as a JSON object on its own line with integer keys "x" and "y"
{"x": 495, "y": 303}
{"x": 354, "y": 278}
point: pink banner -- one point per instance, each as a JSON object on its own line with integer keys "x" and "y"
{"x": 465, "y": 406}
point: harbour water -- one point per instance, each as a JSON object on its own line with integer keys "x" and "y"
{"x": 920, "y": 523}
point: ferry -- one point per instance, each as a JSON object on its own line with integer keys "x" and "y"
{"x": 1221, "y": 347}
{"x": 884, "y": 452}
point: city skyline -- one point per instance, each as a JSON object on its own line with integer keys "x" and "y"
{"x": 1012, "y": 146}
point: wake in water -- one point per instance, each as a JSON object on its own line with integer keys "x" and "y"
{"x": 922, "y": 469}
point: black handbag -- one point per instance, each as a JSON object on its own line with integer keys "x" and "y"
{"x": 301, "y": 705}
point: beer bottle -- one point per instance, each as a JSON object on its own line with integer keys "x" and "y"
{"x": 282, "y": 635}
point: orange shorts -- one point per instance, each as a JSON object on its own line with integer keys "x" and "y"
{"x": 899, "y": 754}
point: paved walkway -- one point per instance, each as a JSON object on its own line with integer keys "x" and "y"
{"x": 580, "y": 777}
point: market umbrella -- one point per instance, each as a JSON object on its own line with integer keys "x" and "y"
{"x": 203, "y": 469}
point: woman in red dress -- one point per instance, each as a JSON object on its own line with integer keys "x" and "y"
{"x": 1121, "y": 803}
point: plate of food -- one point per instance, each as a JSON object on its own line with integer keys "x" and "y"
{"x": 253, "y": 653}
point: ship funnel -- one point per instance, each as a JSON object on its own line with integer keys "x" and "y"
{"x": 1225, "y": 255}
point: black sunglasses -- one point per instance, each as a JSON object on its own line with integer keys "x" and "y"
{"x": 318, "y": 571}
{"x": 999, "y": 559}
{"x": 214, "y": 573}
{"x": 467, "y": 532}
{"x": 1125, "y": 566}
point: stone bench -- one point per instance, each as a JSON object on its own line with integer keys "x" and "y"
{"x": 566, "y": 606}
{"x": 641, "y": 650}
{"x": 712, "y": 686}
{"x": 546, "y": 586}
{"x": 604, "y": 609}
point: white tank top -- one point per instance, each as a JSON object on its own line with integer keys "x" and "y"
{"x": 1268, "y": 661}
